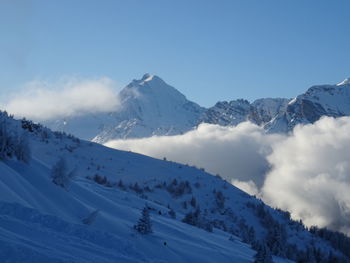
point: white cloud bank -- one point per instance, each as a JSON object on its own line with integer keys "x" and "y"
{"x": 236, "y": 153}
{"x": 310, "y": 174}
{"x": 41, "y": 100}
{"x": 306, "y": 173}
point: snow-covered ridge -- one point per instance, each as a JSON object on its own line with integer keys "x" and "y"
{"x": 317, "y": 101}
{"x": 344, "y": 82}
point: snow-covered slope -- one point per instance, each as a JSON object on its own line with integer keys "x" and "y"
{"x": 43, "y": 222}
{"x": 148, "y": 107}
{"x": 317, "y": 101}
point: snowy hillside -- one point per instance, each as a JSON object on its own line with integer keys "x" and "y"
{"x": 195, "y": 217}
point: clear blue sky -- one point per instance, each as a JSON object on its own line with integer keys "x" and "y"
{"x": 209, "y": 50}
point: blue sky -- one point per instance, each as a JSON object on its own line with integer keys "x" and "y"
{"x": 209, "y": 50}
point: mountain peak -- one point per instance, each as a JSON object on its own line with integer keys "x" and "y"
{"x": 147, "y": 77}
{"x": 344, "y": 82}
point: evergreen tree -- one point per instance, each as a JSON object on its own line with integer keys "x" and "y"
{"x": 192, "y": 218}
{"x": 196, "y": 219}
{"x": 263, "y": 254}
{"x": 144, "y": 225}
{"x": 22, "y": 149}
{"x": 11, "y": 145}
{"x": 7, "y": 141}
{"x": 220, "y": 199}
{"x": 193, "y": 202}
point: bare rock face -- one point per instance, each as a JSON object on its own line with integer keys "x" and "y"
{"x": 234, "y": 112}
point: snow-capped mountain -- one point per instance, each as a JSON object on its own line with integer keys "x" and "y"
{"x": 148, "y": 107}
{"x": 317, "y": 101}
{"x": 195, "y": 216}
{"x": 278, "y": 115}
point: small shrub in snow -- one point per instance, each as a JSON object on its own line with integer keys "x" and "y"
{"x": 100, "y": 179}
{"x": 60, "y": 174}
{"x": 121, "y": 185}
{"x": 172, "y": 213}
{"x": 91, "y": 218}
{"x": 147, "y": 189}
{"x": 177, "y": 189}
{"x": 135, "y": 187}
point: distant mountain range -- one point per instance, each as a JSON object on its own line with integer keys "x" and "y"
{"x": 150, "y": 106}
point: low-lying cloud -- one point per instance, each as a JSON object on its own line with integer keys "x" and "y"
{"x": 42, "y": 100}
{"x": 310, "y": 174}
{"x": 306, "y": 172}
{"x": 236, "y": 153}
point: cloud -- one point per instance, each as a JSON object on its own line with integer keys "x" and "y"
{"x": 306, "y": 172}
{"x": 41, "y": 100}
{"x": 236, "y": 153}
{"x": 311, "y": 174}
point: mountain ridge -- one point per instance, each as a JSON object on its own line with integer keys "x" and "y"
{"x": 151, "y": 107}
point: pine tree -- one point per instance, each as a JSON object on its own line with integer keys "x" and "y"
{"x": 192, "y": 218}
{"x": 7, "y": 141}
{"x": 22, "y": 149}
{"x": 193, "y": 202}
{"x": 12, "y": 145}
{"x": 144, "y": 225}
{"x": 263, "y": 254}
{"x": 220, "y": 199}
